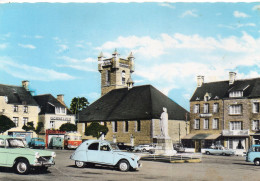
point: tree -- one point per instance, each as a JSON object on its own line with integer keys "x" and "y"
{"x": 5, "y": 124}
{"x": 68, "y": 127}
{"x": 96, "y": 130}
{"x": 78, "y": 104}
{"x": 29, "y": 126}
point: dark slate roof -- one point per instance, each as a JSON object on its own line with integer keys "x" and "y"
{"x": 48, "y": 103}
{"x": 17, "y": 95}
{"x": 221, "y": 89}
{"x": 138, "y": 103}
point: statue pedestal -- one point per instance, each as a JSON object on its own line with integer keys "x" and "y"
{"x": 164, "y": 146}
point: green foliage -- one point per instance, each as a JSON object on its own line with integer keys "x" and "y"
{"x": 5, "y": 123}
{"x": 68, "y": 127}
{"x": 96, "y": 130}
{"x": 78, "y": 104}
{"x": 28, "y": 127}
{"x": 39, "y": 127}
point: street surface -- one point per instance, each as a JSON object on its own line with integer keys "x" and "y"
{"x": 212, "y": 167}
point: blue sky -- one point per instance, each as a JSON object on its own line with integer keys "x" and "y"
{"x": 55, "y": 45}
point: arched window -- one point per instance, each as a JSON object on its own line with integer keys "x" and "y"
{"x": 123, "y": 77}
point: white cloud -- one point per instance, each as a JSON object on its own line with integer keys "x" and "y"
{"x": 62, "y": 48}
{"x": 237, "y": 25}
{"x": 3, "y": 46}
{"x": 167, "y": 5}
{"x": 189, "y": 13}
{"x": 238, "y": 14}
{"x": 38, "y": 36}
{"x": 257, "y": 7}
{"x": 88, "y": 64}
{"x": 31, "y": 72}
{"x": 29, "y": 46}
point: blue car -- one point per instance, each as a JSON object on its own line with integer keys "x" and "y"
{"x": 37, "y": 143}
{"x": 103, "y": 152}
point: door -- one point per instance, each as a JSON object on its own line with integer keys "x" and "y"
{"x": 197, "y": 145}
{"x": 93, "y": 153}
{"x": 3, "y": 152}
{"x": 106, "y": 154}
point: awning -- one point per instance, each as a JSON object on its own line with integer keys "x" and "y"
{"x": 201, "y": 136}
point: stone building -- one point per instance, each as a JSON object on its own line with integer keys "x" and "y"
{"x": 132, "y": 114}
{"x": 17, "y": 103}
{"x": 225, "y": 112}
{"x": 54, "y": 112}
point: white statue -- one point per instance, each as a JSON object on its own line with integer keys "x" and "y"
{"x": 164, "y": 123}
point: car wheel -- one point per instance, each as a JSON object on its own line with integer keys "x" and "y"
{"x": 22, "y": 167}
{"x": 257, "y": 162}
{"x": 224, "y": 154}
{"x": 207, "y": 152}
{"x": 80, "y": 164}
{"x": 123, "y": 166}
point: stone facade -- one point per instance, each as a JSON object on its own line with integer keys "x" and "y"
{"x": 20, "y": 113}
{"x": 149, "y": 130}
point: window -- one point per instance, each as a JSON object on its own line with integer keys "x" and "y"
{"x": 114, "y": 125}
{"x": 52, "y": 124}
{"x": 196, "y": 124}
{"x": 235, "y": 109}
{"x": 104, "y": 148}
{"x": 255, "y": 125}
{"x": 25, "y": 120}
{"x": 15, "y": 108}
{"x": 126, "y": 126}
{"x": 215, "y": 107}
{"x": 16, "y": 121}
{"x": 123, "y": 77}
{"x": 138, "y": 126}
{"x": 206, "y": 108}
{"x": 256, "y": 107}
{"x": 206, "y": 124}
{"x": 93, "y": 146}
{"x": 236, "y": 94}
{"x": 107, "y": 77}
{"x": 196, "y": 108}
{"x": 236, "y": 125}
{"x": 215, "y": 123}
{"x": 60, "y": 110}
{"x": 25, "y": 109}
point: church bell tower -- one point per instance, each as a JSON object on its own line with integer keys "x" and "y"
{"x": 115, "y": 72}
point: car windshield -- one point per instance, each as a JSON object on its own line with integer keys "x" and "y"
{"x": 15, "y": 143}
{"x": 114, "y": 146}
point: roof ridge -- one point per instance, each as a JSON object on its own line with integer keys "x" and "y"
{"x": 43, "y": 95}
{"x": 235, "y": 80}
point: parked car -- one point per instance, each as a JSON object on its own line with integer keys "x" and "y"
{"x": 122, "y": 146}
{"x": 219, "y": 150}
{"x": 103, "y": 152}
{"x": 253, "y": 155}
{"x": 179, "y": 147}
{"x": 13, "y": 153}
{"x": 56, "y": 142}
{"x": 144, "y": 148}
{"x": 37, "y": 143}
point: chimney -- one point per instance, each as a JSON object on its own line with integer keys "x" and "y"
{"x": 200, "y": 80}
{"x": 60, "y": 98}
{"x": 25, "y": 84}
{"x": 232, "y": 77}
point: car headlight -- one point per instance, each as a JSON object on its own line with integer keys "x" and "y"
{"x": 53, "y": 154}
{"x": 37, "y": 155}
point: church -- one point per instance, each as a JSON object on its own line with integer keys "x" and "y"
{"x": 131, "y": 113}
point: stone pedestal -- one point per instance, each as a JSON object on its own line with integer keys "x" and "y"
{"x": 164, "y": 146}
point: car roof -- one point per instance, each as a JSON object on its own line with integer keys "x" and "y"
{"x": 255, "y": 145}
{"x": 91, "y": 141}
{"x": 5, "y": 136}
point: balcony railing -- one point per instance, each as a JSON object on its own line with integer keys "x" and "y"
{"x": 235, "y": 132}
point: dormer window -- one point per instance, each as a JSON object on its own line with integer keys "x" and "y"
{"x": 60, "y": 110}
{"x": 236, "y": 94}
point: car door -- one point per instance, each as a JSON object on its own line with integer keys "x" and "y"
{"x": 106, "y": 154}
{"x": 3, "y": 152}
{"x": 93, "y": 152}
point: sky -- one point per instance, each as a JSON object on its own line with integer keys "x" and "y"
{"x": 55, "y": 45}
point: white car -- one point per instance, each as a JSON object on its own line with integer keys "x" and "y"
{"x": 144, "y": 148}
